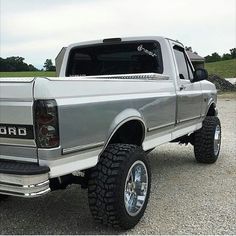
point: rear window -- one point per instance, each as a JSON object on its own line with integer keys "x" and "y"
{"x": 109, "y": 59}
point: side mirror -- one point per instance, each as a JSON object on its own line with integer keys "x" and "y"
{"x": 200, "y": 74}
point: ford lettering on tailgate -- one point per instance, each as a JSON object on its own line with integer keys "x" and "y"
{"x": 16, "y": 131}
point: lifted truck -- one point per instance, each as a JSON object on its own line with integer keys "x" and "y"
{"x": 115, "y": 100}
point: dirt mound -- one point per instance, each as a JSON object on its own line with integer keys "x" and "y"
{"x": 221, "y": 84}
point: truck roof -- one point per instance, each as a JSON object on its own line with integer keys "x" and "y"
{"x": 136, "y": 38}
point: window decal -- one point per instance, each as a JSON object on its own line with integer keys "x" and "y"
{"x": 141, "y": 48}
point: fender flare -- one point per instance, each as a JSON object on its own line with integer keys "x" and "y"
{"x": 210, "y": 103}
{"x": 122, "y": 118}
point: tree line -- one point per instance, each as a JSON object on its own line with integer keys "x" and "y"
{"x": 226, "y": 56}
{"x": 15, "y": 64}
{"x": 11, "y": 64}
{"x": 215, "y": 56}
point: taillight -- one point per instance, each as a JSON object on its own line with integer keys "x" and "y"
{"x": 46, "y": 123}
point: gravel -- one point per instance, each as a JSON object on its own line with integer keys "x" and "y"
{"x": 186, "y": 197}
{"x": 221, "y": 84}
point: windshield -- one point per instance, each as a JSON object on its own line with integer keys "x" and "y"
{"x": 109, "y": 59}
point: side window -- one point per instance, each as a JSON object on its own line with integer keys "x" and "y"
{"x": 190, "y": 70}
{"x": 183, "y": 67}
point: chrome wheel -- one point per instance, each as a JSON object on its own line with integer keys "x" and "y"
{"x": 217, "y": 140}
{"x": 136, "y": 186}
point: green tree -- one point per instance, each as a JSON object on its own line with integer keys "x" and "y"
{"x": 214, "y": 57}
{"x": 32, "y": 68}
{"x": 233, "y": 53}
{"x": 226, "y": 56}
{"x": 48, "y": 65}
{"x": 15, "y": 63}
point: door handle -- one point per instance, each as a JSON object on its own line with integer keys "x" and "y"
{"x": 182, "y": 87}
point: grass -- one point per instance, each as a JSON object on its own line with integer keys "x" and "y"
{"x": 224, "y": 69}
{"x": 28, "y": 74}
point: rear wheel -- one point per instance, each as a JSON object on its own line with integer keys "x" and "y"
{"x": 119, "y": 186}
{"x": 207, "y": 140}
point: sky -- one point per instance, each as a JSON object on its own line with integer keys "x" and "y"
{"x": 38, "y": 29}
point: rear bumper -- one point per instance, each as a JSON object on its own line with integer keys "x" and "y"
{"x": 23, "y": 179}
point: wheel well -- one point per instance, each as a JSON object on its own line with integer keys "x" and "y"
{"x": 211, "y": 110}
{"x": 132, "y": 132}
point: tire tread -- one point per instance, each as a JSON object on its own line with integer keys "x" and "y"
{"x": 204, "y": 141}
{"x": 102, "y": 187}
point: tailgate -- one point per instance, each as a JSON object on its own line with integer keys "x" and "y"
{"x": 16, "y": 119}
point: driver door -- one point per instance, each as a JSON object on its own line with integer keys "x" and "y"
{"x": 189, "y": 95}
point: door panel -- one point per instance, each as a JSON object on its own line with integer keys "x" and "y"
{"x": 189, "y": 95}
{"x": 189, "y": 101}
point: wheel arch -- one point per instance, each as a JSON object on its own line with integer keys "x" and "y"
{"x": 211, "y": 109}
{"x": 127, "y": 120}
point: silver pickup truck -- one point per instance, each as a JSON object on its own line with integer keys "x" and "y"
{"x": 114, "y": 101}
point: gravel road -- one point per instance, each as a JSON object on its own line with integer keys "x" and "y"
{"x": 186, "y": 197}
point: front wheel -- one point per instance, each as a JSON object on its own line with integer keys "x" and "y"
{"x": 207, "y": 140}
{"x": 119, "y": 186}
